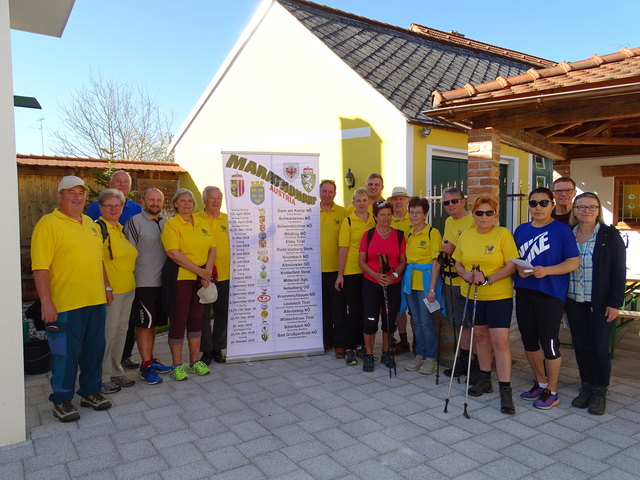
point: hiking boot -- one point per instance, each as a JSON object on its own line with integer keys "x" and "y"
{"x": 483, "y": 385}
{"x": 400, "y": 348}
{"x": 350, "y": 358}
{"x": 368, "y": 362}
{"x": 339, "y": 353}
{"x": 582, "y": 400}
{"x": 387, "y": 360}
{"x": 123, "y": 381}
{"x": 533, "y": 393}
{"x": 474, "y": 374}
{"x": 414, "y": 364}
{"x": 461, "y": 365}
{"x": 178, "y": 373}
{"x": 506, "y": 400}
{"x": 206, "y": 358}
{"x": 130, "y": 364}
{"x": 199, "y": 368}
{"x": 547, "y": 400}
{"x": 65, "y": 412}
{"x": 97, "y": 401}
{"x": 110, "y": 387}
{"x": 218, "y": 357}
{"x": 150, "y": 376}
{"x": 160, "y": 367}
{"x": 428, "y": 366}
{"x": 598, "y": 400}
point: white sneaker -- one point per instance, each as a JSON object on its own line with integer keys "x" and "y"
{"x": 414, "y": 364}
{"x": 428, "y": 367}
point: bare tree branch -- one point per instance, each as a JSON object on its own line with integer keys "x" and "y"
{"x": 114, "y": 120}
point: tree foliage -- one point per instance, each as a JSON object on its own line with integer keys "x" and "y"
{"x": 110, "y": 119}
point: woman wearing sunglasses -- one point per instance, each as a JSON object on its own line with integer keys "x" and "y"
{"x": 596, "y": 291}
{"x": 489, "y": 247}
{"x": 548, "y": 245}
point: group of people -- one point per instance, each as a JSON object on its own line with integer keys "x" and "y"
{"x": 116, "y": 274}
{"x": 381, "y": 256}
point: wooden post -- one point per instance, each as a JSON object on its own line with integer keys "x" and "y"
{"x": 484, "y": 164}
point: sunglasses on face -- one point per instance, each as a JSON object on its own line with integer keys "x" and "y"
{"x": 488, "y": 213}
{"x": 542, "y": 203}
{"x": 455, "y": 201}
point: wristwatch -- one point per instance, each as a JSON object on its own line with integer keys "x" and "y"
{"x": 109, "y": 289}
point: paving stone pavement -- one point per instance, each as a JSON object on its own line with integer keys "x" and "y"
{"x": 316, "y": 418}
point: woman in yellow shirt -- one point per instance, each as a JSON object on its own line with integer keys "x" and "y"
{"x": 349, "y": 279}
{"x": 490, "y": 247}
{"x": 190, "y": 244}
{"x": 119, "y": 259}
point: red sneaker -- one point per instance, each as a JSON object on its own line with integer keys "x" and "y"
{"x": 340, "y": 352}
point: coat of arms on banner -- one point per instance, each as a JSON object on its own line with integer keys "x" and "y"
{"x": 291, "y": 171}
{"x": 308, "y": 179}
{"x": 257, "y": 192}
{"x": 237, "y": 185}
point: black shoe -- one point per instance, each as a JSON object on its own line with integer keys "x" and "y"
{"x": 461, "y": 366}
{"x": 368, "y": 362}
{"x": 400, "y": 348}
{"x": 97, "y": 401}
{"x": 506, "y": 401}
{"x": 583, "y": 398}
{"x": 483, "y": 385}
{"x": 598, "y": 401}
{"x": 130, "y": 364}
{"x": 218, "y": 357}
{"x": 206, "y": 358}
{"x": 388, "y": 360}
{"x": 65, "y": 412}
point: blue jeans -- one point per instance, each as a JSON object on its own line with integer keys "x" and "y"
{"x": 591, "y": 335}
{"x": 79, "y": 343}
{"x": 425, "y": 332}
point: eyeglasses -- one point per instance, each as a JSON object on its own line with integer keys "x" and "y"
{"x": 455, "y": 201}
{"x": 111, "y": 206}
{"x": 582, "y": 208}
{"x": 416, "y": 212}
{"x": 564, "y": 192}
{"x": 488, "y": 213}
{"x": 542, "y": 203}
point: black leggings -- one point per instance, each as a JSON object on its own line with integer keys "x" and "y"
{"x": 373, "y": 304}
{"x": 539, "y": 317}
{"x": 352, "y": 324}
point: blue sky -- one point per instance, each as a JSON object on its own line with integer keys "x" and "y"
{"x": 174, "y": 47}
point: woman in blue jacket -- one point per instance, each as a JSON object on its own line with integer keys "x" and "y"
{"x": 596, "y": 292}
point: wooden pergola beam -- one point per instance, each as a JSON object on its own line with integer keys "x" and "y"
{"x": 534, "y": 143}
{"x": 595, "y": 140}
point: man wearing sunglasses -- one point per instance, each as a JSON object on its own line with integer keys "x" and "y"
{"x": 459, "y": 219}
{"x": 564, "y": 190}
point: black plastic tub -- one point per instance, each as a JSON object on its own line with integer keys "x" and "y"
{"x": 37, "y": 357}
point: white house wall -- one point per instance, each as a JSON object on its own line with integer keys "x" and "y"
{"x": 287, "y": 92}
{"x": 12, "y": 410}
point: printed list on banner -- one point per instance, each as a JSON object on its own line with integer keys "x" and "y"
{"x": 275, "y": 296}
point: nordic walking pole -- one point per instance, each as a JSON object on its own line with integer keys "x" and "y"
{"x": 384, "y": 268}
{"x": 455, "y": 358}
{"x": 473, "y": 322}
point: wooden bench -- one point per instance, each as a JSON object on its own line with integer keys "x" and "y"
{"x": 624, "y": 318}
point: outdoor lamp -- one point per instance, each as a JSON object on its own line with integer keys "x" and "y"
{"x": 351, "y": 180}
{"x": 426, "y": 131}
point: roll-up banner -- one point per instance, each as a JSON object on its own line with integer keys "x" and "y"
{"x": 275, "y": 296}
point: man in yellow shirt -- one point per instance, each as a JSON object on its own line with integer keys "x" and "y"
{"x": 66, "y": 253}
{"x": 375, "y": 184}
{"x": 215, "y": 340}
{"x": 459, "y": 219}
{"x": 331, "y": 215}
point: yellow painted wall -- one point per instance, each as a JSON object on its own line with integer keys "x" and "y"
{"x": 287, "y": 92}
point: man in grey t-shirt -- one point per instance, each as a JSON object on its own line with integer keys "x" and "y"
{"x": 143, "y": 231}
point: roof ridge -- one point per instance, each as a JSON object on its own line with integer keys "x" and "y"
{"x": 532, "y": 75}
{"x": 460, "y": 39}
{"x": 434, "y": 35}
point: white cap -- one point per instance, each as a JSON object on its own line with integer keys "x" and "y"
{"x": 71, "y": 181}
{"x": 208, "y": 294}
{"x": 399, "y": 192}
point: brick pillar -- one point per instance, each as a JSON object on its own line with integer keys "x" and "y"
{"x": 484, "y": 164}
